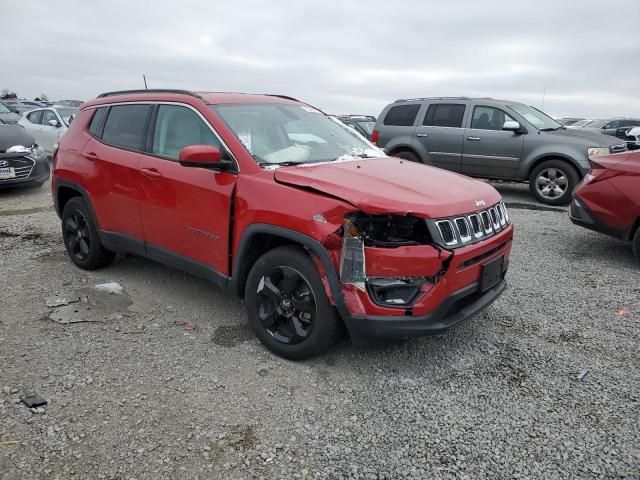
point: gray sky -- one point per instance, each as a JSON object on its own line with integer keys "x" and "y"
{"x": 342, "y": 56}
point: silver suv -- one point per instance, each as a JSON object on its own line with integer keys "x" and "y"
{"x": 489, "y": 138}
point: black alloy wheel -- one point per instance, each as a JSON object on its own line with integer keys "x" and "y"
{"x": 286, "y": 305}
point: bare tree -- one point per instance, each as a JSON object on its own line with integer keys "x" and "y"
{"x": 7, "y": 94}
{"x": 44, "y": 97}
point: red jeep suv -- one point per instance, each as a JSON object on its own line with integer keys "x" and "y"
{"x": 298, "y": 214}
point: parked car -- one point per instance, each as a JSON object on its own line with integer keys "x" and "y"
{"x": 22, "y": 162}
{"x": 7, "y": 115}
{"x": 363, "y": 124}
{"x": 569, "y": 121}
{"x": 312, "y": 234}
{"x": 47, "y": 125}
{"x": 632, "y": 138}
{"x": 18, "y": 107}
{"x": 611, "y": 125}
{"x": 483, "y": 137}
{"x": 580, "y": 124}
{"x": 608, "y": 199}
{"x": 69, "y": 103}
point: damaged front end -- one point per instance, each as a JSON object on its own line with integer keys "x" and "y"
{"x": 391, "y": 259}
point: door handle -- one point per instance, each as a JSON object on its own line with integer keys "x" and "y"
{"x": 422, "y": 134}
{"x": 91, "y": 156}
{"x": 150, "y": 172}
{"x": 474, "y": 139}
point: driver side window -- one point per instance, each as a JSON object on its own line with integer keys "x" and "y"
{"x": 47, "y": 116}
{"x": 614, "y": 124}
{"x": 489, "y": 118}
{"x": 178, "y": 127}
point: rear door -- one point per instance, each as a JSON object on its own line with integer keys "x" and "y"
{"x": 33, "y": 125}
{"x": 112, "y": 157}
{"x": 48, "y": 133}
{"x": 185, "y": 210}
{"x": 441, "y": 134}
{"x": 490, "y": 151}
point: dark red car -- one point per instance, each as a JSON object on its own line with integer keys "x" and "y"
{"x": 608, "y": 199}
{"x": 303, "y": 218}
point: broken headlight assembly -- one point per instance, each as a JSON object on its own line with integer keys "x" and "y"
{"x": 381, "y": 231}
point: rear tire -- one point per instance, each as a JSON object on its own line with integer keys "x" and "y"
{"x": 81, "y": 238}
{"x": 407, "y": 155}
{"x": 636, "y": 244}
{"x": 287, "y": 306}
{"x": 552, "y": 182}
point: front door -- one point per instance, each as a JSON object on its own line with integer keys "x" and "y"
{"x": 48, "y": 133}
{"x": 441, "y": 135}
{"x": 490, "y": 151}
{"x": 185, "y": 210}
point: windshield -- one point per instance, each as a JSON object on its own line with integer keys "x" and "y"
{"x": 536, "y": 118}
{"x": 582, "y": 123}
{"x": 279, "y": 134}
{"x": 4, "y": 109}
{"x": 67, "y": 114}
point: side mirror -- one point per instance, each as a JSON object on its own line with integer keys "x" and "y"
{"x": 203, "y": 156}
{"x": 511, "y": 125}
{"x": 54, "y": 123}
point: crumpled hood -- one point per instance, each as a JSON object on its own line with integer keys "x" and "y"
{"x": 594, "y": 138}
{"x": 391, "y": 185}
{"x": 12, "y": 135}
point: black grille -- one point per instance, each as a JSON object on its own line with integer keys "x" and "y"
{"x": 494, "y": 216}
{"x": 475, "y": 224}
{"x": 462, "y": 227}
{"x": 22, "y": 167}
{"x": 485, "y": 221}
{"x": 447, "y": 232}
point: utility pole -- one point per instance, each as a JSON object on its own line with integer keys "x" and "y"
{"x": 145, "y": 81}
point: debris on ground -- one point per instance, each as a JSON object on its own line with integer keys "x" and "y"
{"x": 623, "y": 312}
{"x": 186, "y": 326}
{"x": 111, "y": 287}
{"x": 94, "y": 305}
{"x": 33, "y": 400}
{"x": 582, "y": 374}
{"x": 59, "y": 301}
{"x": 9, "y": 442}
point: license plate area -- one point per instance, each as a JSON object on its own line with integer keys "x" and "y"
{"x": 491, "y": 273}
{"x": 7, "y": 172}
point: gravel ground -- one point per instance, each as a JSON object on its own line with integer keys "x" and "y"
{"x": 166, "y": 381}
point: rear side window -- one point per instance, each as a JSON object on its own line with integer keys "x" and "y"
{"x": 35, "y": 117}
{"x": 125, "y": 126}
{"x": 402, "y": 115}
{"x": 444, "y": 115}
{"x": 96, "y": 121}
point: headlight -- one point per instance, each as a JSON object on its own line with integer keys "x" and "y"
{"x": 597, "y": 151}
{"x": 37, "y": 151}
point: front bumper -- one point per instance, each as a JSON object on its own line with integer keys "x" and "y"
{"x": 457, "y": 308}
{"x": 581, "y": 215}
{"x": 453, "y": 298}
{"x": 28, "y": 170}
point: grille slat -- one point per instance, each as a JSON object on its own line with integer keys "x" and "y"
{"x": 473, "y": 227}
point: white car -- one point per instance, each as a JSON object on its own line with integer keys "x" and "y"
{"x": 633, "y": 138}
{"x": 48, "y": 124}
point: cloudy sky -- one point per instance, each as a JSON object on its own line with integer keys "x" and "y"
{"x": 343, "y": 56}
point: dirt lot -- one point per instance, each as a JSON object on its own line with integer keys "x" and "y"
{"x": 166, "y": 381}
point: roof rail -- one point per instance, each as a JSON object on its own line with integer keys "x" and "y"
{"x": 150, "y": 90}
{"x": 286, "y": 97}
{"x": 400, "y": 100}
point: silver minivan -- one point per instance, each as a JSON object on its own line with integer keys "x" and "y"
{"x": 489, "y": 138}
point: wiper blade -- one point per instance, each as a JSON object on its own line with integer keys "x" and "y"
{"x": 280, "y": 164}
{"x": 552, "y": 129}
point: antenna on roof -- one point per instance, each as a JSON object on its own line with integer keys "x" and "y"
{"x": 544, "y": 93}
{"x": 145, "y": 81}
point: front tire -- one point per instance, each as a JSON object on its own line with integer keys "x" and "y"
{"x": 80, "y": 236}
{"x": 407, "y": 155}
{"x": 552, "y": 182}
{"x": 287, "y": 306}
